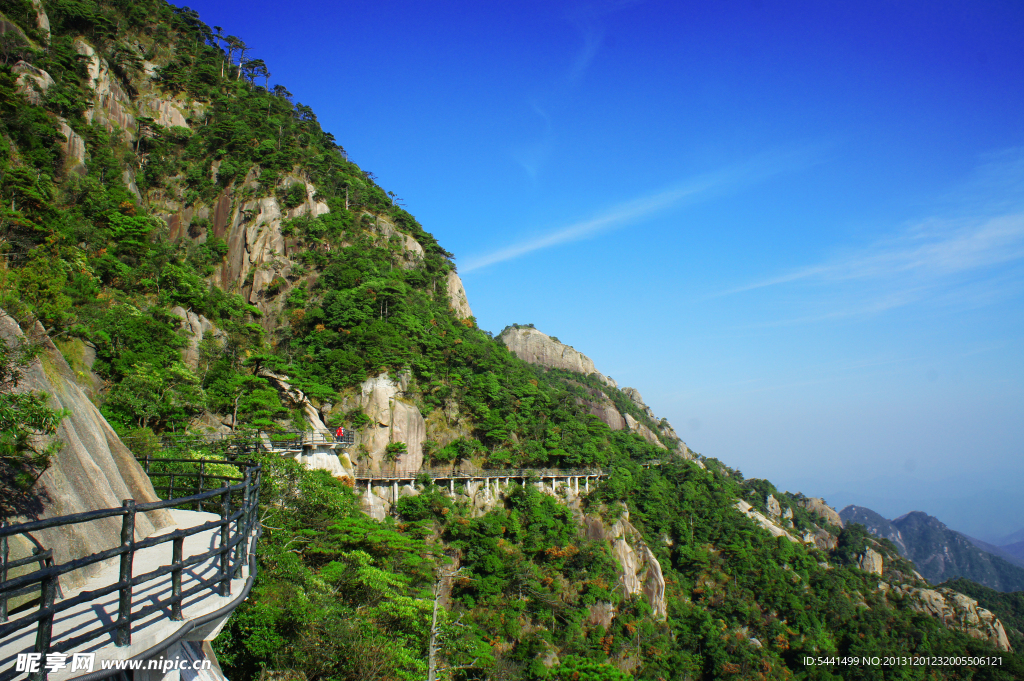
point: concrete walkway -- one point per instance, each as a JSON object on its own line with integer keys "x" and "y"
{"x": 149, "y": 631}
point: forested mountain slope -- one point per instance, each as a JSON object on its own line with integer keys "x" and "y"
{"x": 205, "y": 257}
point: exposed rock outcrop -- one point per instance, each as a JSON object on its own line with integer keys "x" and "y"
{"x": 457, "y": 296}
{"x": 196, "y": 327}
{"x": 93, "y": 470}
{"x": 870, "y": 561}
{"x": 601, "y": 406}
{"x": 535, "y": 347}
{"x": 391, "y": 420}
{"x": 42, "y": 21}
{"x": 111, "y": 104}
{"x": 634, "y": 396}
{"x": 74, "y": 148}
{"x": 956, "y": 611}
{"x": 642, "y": 430}
{"x": 822, "y": 510}
{"x": 318, "y": 456}
{"x": 411, "y": 250}
{"x": 32, "y": 82}
{"x": 639, "y": 569}
{"x": 166, "y": 113}
{"x": 762, "y": 520}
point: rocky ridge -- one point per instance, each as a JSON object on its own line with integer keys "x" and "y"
{"x": 954, "y": 610}
{"x": 535, "y": 347}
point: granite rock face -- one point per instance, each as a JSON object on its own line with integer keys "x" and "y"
{"x": 319, "y": 457}
{"x": 93, "y": 470}
{"x": 32, "y": 82}
{"x": 957, "y": 611}
{"x": 110, "y": 103}
{"x": 391, "y": 420}
{"x": 639, "y": 569}
{"x": 535, "y": 347}
{"x": 644, "y": 432}
{"x": 196, "y": 327}
{"x": 822, "y": 510}
{"x": 870, "y": 561}
{"x": 457, "y": 296}
{"x": 74, "y": 148}
{"x": 765, "y": 522}
{"x": 601, "y": 406}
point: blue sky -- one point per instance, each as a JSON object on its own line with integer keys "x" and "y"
{"x": 796, "y": 227}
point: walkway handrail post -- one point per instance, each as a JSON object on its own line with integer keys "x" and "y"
{"x": 202, "y": 473}
{"x": 4, "y": 555}
{"x": 176, "y": 555}
{"x": 123, "y": 635}
{"x": 44, "y": 630}
{"x": 242, "y": 528}
{"x": 225, "y": 572}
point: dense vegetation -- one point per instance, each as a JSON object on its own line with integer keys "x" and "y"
{"x": 342, "y": 596}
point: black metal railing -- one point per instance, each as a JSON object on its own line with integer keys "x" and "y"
{"x": 362, "y": 473}
{"x": 237, "y": 444}
{"x": 236, "y": 499}
{"x": 295, "y": 439}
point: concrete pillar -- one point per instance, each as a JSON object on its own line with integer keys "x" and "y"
{"x": 588, "y": 483}
{"x": 451, "y": 485}
{"x": 394, "y": 486}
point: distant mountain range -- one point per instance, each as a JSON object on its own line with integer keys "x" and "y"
{"x": 940, "y": 553}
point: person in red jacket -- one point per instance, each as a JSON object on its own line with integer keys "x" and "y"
{"x": 339, "y": 434}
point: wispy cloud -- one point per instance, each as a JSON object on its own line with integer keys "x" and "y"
{"x": 926, "y": 251}
{"x": 960, "y": 259}
{"x": 533, "y": 156}
{"x": 691, "y": 190}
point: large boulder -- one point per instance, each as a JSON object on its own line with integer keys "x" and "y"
{"x": 870, "y": 561}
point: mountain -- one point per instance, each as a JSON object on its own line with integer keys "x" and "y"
{"x": 1012, "y": 538}
{"x": 1004, "y": 552}
{"x": 208, "y": 260}
{"x": 939, "y": 553}
{"x": 1016, "y": 550}
{"x": 876, "y": 525}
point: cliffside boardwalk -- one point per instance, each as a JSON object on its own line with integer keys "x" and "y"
{"x": 145, "y": 598}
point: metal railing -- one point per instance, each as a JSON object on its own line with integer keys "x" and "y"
{"x": 362, "y": 473}
{"x": 234, "y": 444}
{"x": 238, "y": 528}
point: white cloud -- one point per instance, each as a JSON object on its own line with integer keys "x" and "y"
{"x": 694, "y": 189}
{"x": 961, "y": 260}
